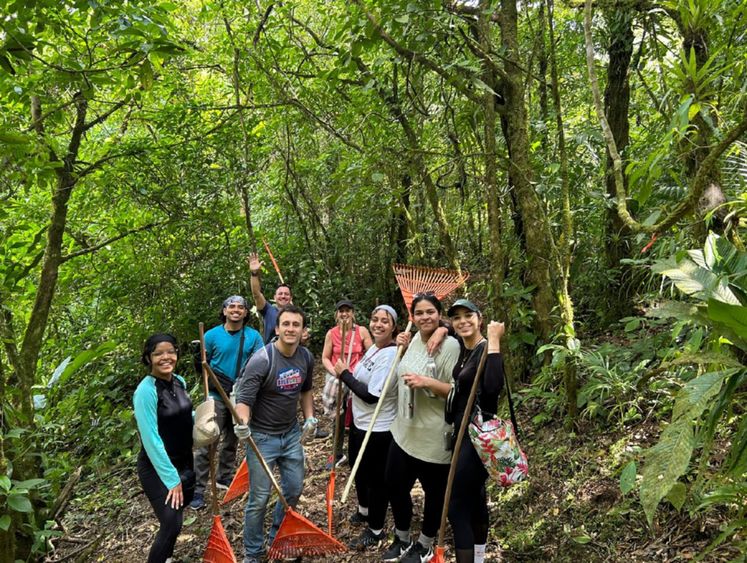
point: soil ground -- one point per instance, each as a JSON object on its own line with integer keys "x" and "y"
{"x": 570, "y": 510}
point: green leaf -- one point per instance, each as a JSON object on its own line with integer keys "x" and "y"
{"x": 85, "y": 357}
{"x": 677, "y": 494}
{"x": 14, "y": 138}
{"x": 693, "y": 398}
{"x": 29, "y": 483}
{"x": 4, "y": 522}
{"x": 665, "y": 464}
{"x": 733, "y": 316}
{"x": 20, "y": 503}
{"x": 581, "y": 538}
{"x": 627, "y": 478}
{"x": 632, "y": 325}
{"x": 4, "y": 482}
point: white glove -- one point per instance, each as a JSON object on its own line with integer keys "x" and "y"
{"x": 309, "y": 429}
{"x": 242, "y": 431}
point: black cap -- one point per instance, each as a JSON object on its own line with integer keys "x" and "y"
{"x": 465, "y": 303}
{"x": 344, "y": 303}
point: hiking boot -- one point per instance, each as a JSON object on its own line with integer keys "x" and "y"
{"x": 358, "y": 519}
{"x": 396, "y": 550}
{"x": 418, "y": 553}
{"x": 368, "y": 539}
{"x": 198, "y": 502}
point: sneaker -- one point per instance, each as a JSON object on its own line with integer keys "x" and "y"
{"x": 198, "y": 502}
{"x": 251, "y": 559}
{"x": 321, "y": 434}
{"x": 340, "y": 460}
{"x": 418, "y": 553}
{"x": 368, "y": 539}
{"x": 358, "y": 519}
{"x": 221, "y": 486}
{"x": 396, "y": 550}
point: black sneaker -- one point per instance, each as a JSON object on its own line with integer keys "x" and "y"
{"x": 418, "y": 553}
{"x": 198, "y": 502}
{"x": 396, "y": 550}
{"x": 320, "y": 434}
{"x": 368, "y": 539}
{"x": 358, "y": 519}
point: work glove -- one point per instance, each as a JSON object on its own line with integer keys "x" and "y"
{"x": 242, "y": 431}
{"x": 309, "y": 429}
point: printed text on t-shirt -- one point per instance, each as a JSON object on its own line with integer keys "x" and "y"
{"x": 289, "y": 380}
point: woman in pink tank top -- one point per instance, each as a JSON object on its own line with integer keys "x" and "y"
{"x": 357, "y": 341}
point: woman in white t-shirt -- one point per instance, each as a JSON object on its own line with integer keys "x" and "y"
{"x": 367, "y": 384}
{"x": 419, "y": 449}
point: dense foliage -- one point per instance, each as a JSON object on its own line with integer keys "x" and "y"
{"x": 566, "y": 156}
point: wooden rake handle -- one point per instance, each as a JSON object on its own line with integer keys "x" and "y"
{"x": 203, "y": 358}
{"x": 351, "y": 478}
{"x": 458, "y": 444}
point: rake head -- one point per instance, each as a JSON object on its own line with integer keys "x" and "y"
{"x": 414, "y": 279}
{"x": 218, "y": 549}
{"x": 239, "y": 485}
{"x": 299, "y": 537}
{"x": 439, "y": 557}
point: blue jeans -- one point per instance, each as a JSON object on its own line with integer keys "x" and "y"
{"x": 285, "y": 451}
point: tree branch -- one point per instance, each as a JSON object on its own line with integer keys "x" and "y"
{"x": 406, "y": 53}
{"x": 99, "y": 246}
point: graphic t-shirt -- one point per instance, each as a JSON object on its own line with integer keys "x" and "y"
{"x": 372, "y": 370}
{"x": 271, "y": 384}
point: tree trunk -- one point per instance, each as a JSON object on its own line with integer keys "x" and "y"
{"x": 616, "y": 107}
{"x": 539, "y": 240}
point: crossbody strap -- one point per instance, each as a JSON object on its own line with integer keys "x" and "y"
{"x": 237, "y": 372}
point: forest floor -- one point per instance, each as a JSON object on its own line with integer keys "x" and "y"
{"x": 570, "y": 510}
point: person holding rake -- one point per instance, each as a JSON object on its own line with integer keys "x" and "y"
{"x": 367, "y": 382}
{"x": 468, "y": 508}
{"x": 419, "y": 450}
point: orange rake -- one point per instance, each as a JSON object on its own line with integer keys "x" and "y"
{"x": 239, "y": 485}
{"x": 411, "y": 281}
{"x": 218, "y": 549}
{"x": 297, "y": 536}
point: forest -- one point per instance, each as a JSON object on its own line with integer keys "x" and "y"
{"x": 584, "y": 161}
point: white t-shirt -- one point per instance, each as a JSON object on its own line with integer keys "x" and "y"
{"x": 372, "y": 370}
{"x": 422, "y": 436}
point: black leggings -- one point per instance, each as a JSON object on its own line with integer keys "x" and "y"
{"x": 468, "y": 507}
{"x": 169, "y": 518}
{"x": 369, "y": 480}
{"x": 401, "y": 472}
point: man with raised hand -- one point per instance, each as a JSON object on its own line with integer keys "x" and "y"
{"x": 268, "y": 311}
{"x": 228, "y": 346}
{"x": 274, "y": 382}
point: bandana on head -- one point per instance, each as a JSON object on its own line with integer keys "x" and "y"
{"x": 235, "y": 299}
{"x": 389, "y": 310}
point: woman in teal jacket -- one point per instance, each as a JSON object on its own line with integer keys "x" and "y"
{"x": 163, "y": 411}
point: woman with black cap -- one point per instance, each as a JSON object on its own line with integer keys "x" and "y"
{"x": 468, "y": 508}
{"x": 163, "y": 411}
{"x": 357, "y": 341}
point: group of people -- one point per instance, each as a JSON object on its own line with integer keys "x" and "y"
{"x": 411, "y": 439}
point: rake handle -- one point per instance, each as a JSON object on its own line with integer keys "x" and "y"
{"x": 274, "y": 263}
{"x": 349, "y": 484}
{"x": 458, "y": 445}
{"x": 203, "y": 358}
{"x": 250, "y": 441}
